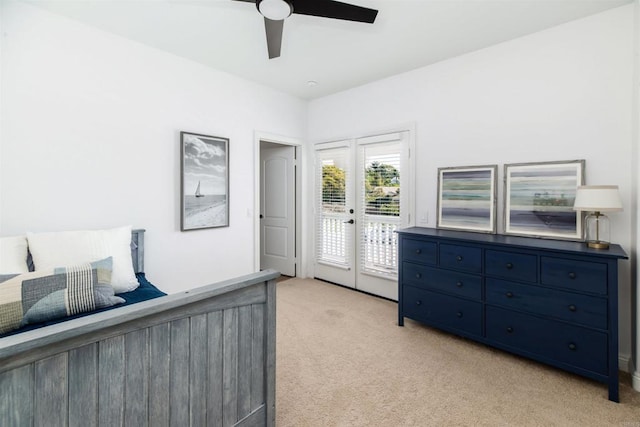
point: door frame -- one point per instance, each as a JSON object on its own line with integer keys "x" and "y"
{"x": 255, "y": 213}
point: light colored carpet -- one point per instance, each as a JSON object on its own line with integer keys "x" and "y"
{"x": 343, "y": 361}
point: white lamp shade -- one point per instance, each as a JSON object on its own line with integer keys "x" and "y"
{"x": 276, "y": 10}
{"x": 598, "y": 198}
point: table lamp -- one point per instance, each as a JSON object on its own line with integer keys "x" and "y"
{"x": 596, "y": 199}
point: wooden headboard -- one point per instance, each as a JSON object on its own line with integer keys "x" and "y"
{"x": 137, "y": 250}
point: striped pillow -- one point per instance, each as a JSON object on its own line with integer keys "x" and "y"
{"x": 55, "y": 293}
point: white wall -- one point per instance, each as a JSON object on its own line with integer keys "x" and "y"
{"x": 635, "y": 266}
{"x": 560, "y": 94}
{"x": 90, "y": 139}
{"x": 1, "y": 105}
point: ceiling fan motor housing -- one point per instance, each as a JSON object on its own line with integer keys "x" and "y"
{"x": 276, "y": 10}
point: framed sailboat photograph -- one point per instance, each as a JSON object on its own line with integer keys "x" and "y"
{"x": 204, "y": 181}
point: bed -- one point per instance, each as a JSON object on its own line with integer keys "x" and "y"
{"x": 201, "y": 357}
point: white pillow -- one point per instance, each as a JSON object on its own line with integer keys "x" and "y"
{"x": 76, "y": 247}
{"x": 13, "y": 255}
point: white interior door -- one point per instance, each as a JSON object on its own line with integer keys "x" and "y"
{"x": 359, "y": 207}
{"x": 277, "y": 208}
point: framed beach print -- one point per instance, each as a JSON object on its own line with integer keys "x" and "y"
{"x": 539, "y": 199}
{"x": 467, "y": 198}
{"x": 204, "y": 181}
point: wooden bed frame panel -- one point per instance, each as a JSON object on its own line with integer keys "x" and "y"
{"x": 200, "y": 357}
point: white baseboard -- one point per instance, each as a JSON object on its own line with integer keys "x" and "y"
{"x": 635, "y": 381}
{"x": 625, "y": 363}
{"x": 635, "y": 376}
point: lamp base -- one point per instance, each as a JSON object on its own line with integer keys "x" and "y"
{"x": 595, "y": 244}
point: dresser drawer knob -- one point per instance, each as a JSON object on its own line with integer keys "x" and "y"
{"x": 459, "y": 258}
{"x": 459, "y": 314}
{"x": 572, "y": 275}
{"x": 418, "y": 302}
{"x": 572, "y": 307}
{"x": 418, "y": 276}
{"x": 510, "y": 329}
{"x": 459, "y": 284}
{"x": 572, "y": 346}
{"x": 509, "y": 294}
{"x": 509, "y": 266}
{"x": 418, "y": 251}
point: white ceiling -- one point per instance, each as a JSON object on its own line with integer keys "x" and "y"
{"x": 229, "y": 35}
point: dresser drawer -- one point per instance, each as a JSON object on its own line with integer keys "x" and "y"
{"x": 461, "y": 257}
{"x": 582, "y": 309}
{"x": 557, "y": 341}
{"x": 420, "y": 251}
{"x": 467, "y": 285}
{"x": 580, "y": 275}
{"x": 442, "y": 310}
{"x": 511, "y": 265}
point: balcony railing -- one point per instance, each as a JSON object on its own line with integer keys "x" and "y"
{"x": 378, "y": 242}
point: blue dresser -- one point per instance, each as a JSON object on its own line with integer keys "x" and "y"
{"x": 552, "y": 301}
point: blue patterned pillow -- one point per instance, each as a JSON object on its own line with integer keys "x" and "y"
{"x": 55, "y": 293}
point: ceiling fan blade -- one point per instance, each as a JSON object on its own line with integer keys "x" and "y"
{"x": 334, "y": 9}
{"x": 274, "y": 36}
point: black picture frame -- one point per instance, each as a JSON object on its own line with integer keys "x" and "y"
{"x": 204, "y": 181}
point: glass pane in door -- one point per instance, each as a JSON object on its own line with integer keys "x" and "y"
{"x": 333, "y": 229}
{"x": 380, "y": 192}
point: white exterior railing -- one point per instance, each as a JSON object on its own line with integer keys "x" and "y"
{"x": 378, "y": 242}
{"x": 334, "y": 237}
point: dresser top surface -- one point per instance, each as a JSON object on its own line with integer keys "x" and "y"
{"x": 579, "y": 248}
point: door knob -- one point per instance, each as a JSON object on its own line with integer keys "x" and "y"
{"x": 349, "y": 222}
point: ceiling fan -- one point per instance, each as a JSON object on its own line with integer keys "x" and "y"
{"x": 276, "y": 11}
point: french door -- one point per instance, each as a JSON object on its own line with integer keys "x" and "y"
{"x": 359, "y": 206}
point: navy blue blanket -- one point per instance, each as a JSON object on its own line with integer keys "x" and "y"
{"x": 144, "y": 292}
